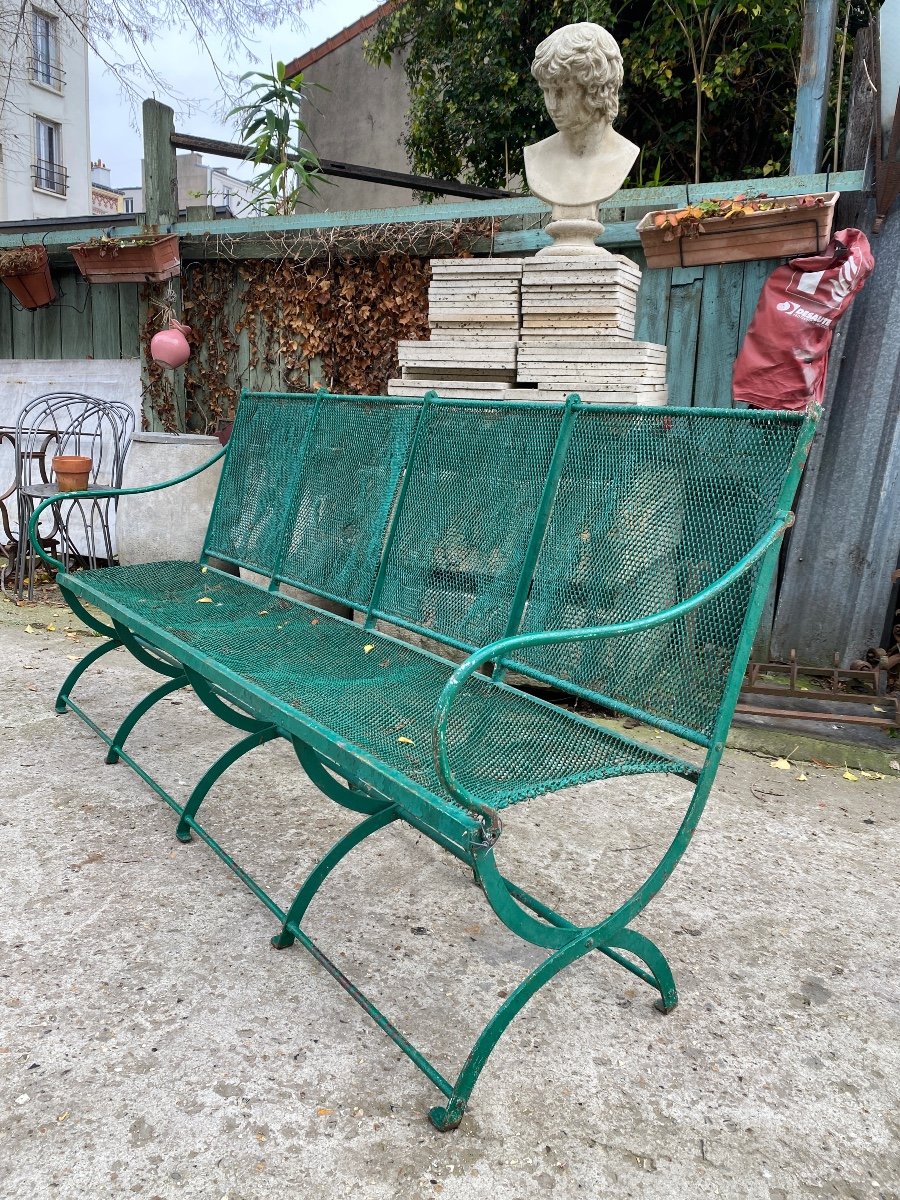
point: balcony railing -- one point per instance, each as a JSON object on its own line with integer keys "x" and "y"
{"x": 47, "y": 73}
{"x": 49, "y": 176}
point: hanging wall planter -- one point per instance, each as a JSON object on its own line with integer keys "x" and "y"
{"x": 738, "y": 230}
{"x": 145, "y": 259}
{"x": 26, "y": 272}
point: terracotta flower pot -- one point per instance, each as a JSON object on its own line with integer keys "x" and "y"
{"x": 72, "y": 471}
{"x": 29, "y": 279}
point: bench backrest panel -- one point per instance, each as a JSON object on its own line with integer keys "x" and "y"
{"x": 474, "y": 486}
{"x": 344, "y": 495}
{"x": 247, "y": 522}
{"x": 438, "y": 514}
{"x": 652, "y": 506}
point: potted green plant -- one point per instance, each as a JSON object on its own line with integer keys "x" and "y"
{"x": 26, "y": 272}
{"x": 738, "y": 229}
{"x": 148, "y": 258}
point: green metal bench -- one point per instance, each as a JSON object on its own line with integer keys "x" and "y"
{"x": 620, "y": 554}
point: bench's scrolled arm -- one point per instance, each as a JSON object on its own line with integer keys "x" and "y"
{"x": 499, "y": 650}
{"x": 102, "y": 493}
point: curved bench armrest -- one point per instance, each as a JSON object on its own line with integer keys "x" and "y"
{"x": 100, "y": 494}
{"x": 499, "y": 650}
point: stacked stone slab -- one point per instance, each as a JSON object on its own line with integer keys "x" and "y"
{"x": 578, "y": 331}
{"x": 473, "y": 313}
{"x": 534, "y": 329}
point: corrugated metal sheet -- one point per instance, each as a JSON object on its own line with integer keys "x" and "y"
{"x": 837, "y": 578}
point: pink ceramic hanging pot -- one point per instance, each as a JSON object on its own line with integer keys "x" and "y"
{"x": 170, "y": 346}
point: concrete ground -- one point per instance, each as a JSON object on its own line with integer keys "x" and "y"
{"x": 152, "y": 1044}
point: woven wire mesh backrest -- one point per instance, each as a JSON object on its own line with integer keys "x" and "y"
{"x": 247, "y": 525}
{"x": 651, "y": 508}
{"x": 468, "y": 509}
{"x": 345, "y": 493}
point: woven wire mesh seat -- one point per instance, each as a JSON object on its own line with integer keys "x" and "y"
{"x": 376, "y": 691}
{"x": 621, "y": 555}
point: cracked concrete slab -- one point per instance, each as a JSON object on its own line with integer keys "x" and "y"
{"x": 152, "y": 1044}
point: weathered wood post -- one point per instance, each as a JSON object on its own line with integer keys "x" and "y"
{"x": 819, "y": 22}
{"x": 160, "y": 212}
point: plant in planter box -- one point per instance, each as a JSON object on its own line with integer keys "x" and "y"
{"x": 26, "y": 272}
{"x": 738, "y": 229}
{"x": 149, "y": 258}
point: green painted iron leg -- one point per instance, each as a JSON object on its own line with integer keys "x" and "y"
{"x": 258, "y": 738}
{"x": 323, "y": 869}
{"x": 641, "y": 947}
{"x": 79, "y": 669}
{"x": 124, "y": 730}
{"x": 449, "y": 1116}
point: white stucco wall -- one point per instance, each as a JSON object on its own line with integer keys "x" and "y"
{"x": 19, "y": 199}
{"x": 889, "y": 20}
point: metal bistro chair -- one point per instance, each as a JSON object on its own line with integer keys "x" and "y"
{"x": 68, "y": 423}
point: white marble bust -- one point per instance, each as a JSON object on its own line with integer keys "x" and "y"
{"x": 579, "y": 69}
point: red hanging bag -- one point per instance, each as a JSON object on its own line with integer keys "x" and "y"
{"x": 783, "y": 360}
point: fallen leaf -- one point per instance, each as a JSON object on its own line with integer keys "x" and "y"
{"x": 782, "y": 764}
{"x": 62, "y": 1116}
{"x": 368, "y": 649}
{"x": 51, "y": 629}
{"x": 324, "y": 1112}
{"x": 875, "y": 708}
{"x": 894, "y": 765}
{"x": 205, "y": 600}
{"x": 314, "y": 621}
{"x": 203, "y": 570}
{"x": 73, "y": 657}
{"x": 263, "y": 612}
{"x": 871, "y": 775}
{"x": 849, "y": 775}
{"x": 405, "y": 741}
{"x": 801, "y": 778}
{"x": 30, "y": 629}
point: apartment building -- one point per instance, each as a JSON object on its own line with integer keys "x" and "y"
{"x": 44, "y": 129}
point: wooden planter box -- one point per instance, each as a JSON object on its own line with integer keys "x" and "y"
{"x": 138, "y": 260}
{"x": 31, "y": 285}
{"x": 778, "y": 233}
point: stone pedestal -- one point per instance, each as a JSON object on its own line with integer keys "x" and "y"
{"x": 170, "y": 524}
{"x": 534, "y": 328}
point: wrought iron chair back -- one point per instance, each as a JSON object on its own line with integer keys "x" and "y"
{"x": 58, "y": 423}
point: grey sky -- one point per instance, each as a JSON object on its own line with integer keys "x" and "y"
{"x": 118, "y": 144}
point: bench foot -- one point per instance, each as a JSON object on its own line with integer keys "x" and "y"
{"x": 444, "y": 1118}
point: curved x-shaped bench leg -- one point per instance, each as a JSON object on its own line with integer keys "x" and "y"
{"x": 62, "y": 696}
{"x": 265, "y": 733}
{"x": 641, "y": 947}
{"x": 140, "y": 709}
{"x": 323, "y": 869}
{"x": 448, "y": 1116}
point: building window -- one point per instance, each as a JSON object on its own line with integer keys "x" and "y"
{"x": 44, "y": 61}
{"x": 129, "y": 204}
{"x": 48, "y": 173}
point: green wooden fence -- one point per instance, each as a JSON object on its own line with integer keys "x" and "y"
{"x": 700, "y": 313}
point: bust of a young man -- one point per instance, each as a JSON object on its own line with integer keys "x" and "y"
{"x": 579, "y": 69}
